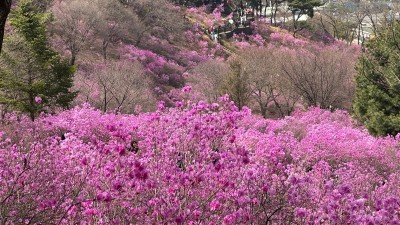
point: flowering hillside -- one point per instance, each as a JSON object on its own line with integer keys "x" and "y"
{"x": 196, "y": 164}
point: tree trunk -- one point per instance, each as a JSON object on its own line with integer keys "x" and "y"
{"x": 73, "y": 59}
{"x": 294, "y": 21}
{"x": 32, "y": 116}
{"x": 5, "y": 6}
{"x": 263, "y": 110}
{"x": 276, "y": 10}
{"x": 105, "y": 45}
{"x": 105, "y": 100}
{"x": 272, "y": 14}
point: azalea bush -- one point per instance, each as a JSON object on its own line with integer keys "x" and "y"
{"x": 196, "y": 163}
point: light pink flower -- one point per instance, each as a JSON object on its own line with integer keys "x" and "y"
{"x": 38, "y": 99}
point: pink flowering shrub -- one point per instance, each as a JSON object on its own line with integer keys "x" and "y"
{"x": 243, "y": 41}
{"x": 286, "y": 40}
{"x": 153, "y": 62}
{"x": 218, "y": 19}
{"x": 167, "y": 63}
{"x": 185, "y": 57}
{"x": 206, "y": 18}
{"x": 257, "y": 39}
{"x": 164, "y": 71}
{"x": 197, "y": 163}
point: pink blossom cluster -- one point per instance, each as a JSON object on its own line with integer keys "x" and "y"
{"x": 209, "y": 19}
{"x": 257, "y": 39}
{"x": 217, "y": 13}
{"x": 152, "y": 61}
{"x": 286, "y": 40}
{"x": 242, "y": 41}
{"x": 166, "y": 72}
{"x": 184, "y": 57}
{"x": 198, "y": 163}
{"x": 192, "y": 58}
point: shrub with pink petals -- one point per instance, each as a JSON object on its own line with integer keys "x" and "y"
{"x": 198, "y": 163}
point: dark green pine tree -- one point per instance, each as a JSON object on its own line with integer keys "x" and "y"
{"x": 29, "y": 69}
{"x": 302, "y": 7}
{"x": 236, "y": 85}
{"x": 377, "y": 101}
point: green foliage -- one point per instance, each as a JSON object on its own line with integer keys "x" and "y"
{"x": 300, "y": 25}
{"x": 304, "y": 6}
{"x": 30, "y": 68}
{"x": 377, "y": 102}
{"x": 236, "y": 84}
{"x": 345, "y": 30}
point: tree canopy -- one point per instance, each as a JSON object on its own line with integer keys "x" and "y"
{"x": 302, "y": 7}
{"x": 377, "y": 102}
{"x": 33, "y": 77}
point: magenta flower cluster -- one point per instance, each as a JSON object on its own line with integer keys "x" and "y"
{"x": 196, "y": 164}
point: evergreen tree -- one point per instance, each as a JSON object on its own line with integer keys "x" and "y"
{"x": 236, "y": 84}
{"x": 33, "y": 77}
{"x": 302, "y": 7}
{"x": 377, "y": 101}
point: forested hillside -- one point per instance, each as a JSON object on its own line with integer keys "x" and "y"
{"x": 127, "y": 56}
{"x": 199, "y": 112}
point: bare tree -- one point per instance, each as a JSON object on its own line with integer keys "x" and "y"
{"x": 75, "y": 24}
{"x": 269, "y": 90}
{"x": 285, "y": 98}
{"x": 117, "y": 22}
{"x": 161, "y": 19}
{"x": 253, "y": 78}
{"x": 323, "y": 77}
{"x": 118, "y": 87}
{"x": 207, "y": 77}
{"x": 374, "y": 12}
{"x": 360, "y": 13}
{"x": 261, "y": 66}
{"x": 335, "y": 18}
